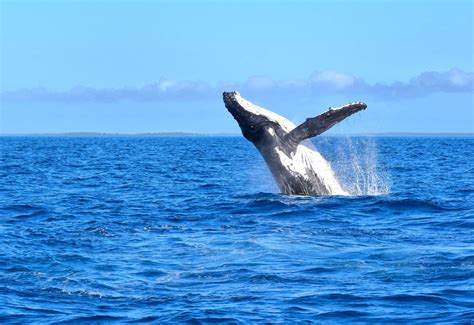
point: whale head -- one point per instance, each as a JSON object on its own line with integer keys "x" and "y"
{"x": 257, "y": 124}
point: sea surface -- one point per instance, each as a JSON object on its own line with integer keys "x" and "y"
{"x": 193, "y": 229}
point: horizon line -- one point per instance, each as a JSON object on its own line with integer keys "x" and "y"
{"x": 218, "y": 134}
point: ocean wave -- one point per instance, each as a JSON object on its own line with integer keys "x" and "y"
{"x": 170, "y": 230}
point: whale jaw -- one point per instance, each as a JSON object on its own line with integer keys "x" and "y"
{"x": 251, "y": 118}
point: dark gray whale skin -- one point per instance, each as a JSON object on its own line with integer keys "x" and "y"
{"x": 273, "y": 140}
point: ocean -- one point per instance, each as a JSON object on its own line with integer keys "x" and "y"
{"x": 193, "y": 229}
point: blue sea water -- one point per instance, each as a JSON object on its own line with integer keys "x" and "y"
{"x": 192, "y": 229}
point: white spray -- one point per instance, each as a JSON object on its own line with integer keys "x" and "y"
{"x": 358, "y": 168}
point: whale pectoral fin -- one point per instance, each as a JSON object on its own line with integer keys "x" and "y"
{"x": 316, "y": 125}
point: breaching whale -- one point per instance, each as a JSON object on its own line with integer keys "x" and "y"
{"x": 297, "y": 167}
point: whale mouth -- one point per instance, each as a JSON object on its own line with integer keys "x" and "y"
{"x": 232, "y": 104}
{"x": 230, "y": 95}
{"x": 231, "y": 101}
{"x": 249, "y": 120}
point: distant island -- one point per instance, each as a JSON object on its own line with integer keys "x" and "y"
{"x": 104, "y": 134}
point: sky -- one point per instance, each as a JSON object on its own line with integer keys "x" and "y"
{"x": 161, "y": 66}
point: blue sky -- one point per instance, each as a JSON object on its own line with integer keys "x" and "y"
{"x": 153, "y": 66}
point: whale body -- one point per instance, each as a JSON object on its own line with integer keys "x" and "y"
{"x": 297, "y": 167}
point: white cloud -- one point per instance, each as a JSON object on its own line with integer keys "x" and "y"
{"x": 260, "y": 83}
{"x": 331, "y": 78}
{"x": 321, "y": 82}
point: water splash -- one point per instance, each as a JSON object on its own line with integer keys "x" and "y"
{"x": 353, "y": 161}
{"x": 357, "y": 167}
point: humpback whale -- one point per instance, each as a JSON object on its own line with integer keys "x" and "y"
{"x": 297, "y": 167}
